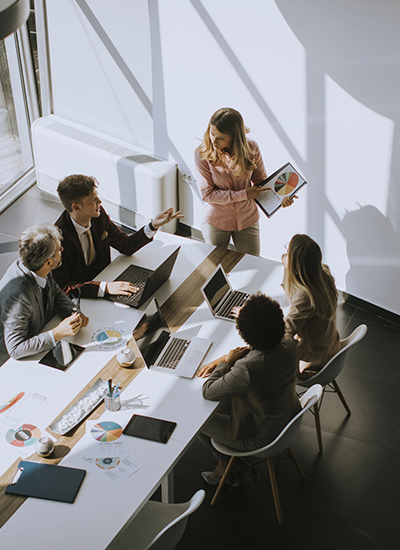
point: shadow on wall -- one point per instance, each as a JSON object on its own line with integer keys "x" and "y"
{"x": 358, "y": 45}
{"x": 373, "y": 252}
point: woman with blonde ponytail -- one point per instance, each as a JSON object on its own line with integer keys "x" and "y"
{"x": 312, "y": 294}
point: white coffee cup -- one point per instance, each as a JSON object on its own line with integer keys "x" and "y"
{"x": 44, "y": 446}
{"x": 126, "y": 357}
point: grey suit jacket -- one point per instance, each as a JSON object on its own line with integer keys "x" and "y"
{"x": 260, "y": 389}
{"x": 23, "y": 315}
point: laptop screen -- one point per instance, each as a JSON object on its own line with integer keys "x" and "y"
{"x": 151, "y": 333}
{"x": 216, "y": 288}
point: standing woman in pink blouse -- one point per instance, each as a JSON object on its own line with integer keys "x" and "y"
{"x": 229, "y": 167}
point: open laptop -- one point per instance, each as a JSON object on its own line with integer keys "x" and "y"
{"x": 162, "y": 350}
{"x": 147, "y": 280}
{"x": 220, "y": 296}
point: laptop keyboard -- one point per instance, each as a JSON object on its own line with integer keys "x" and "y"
{"x": 140, "y": 282}
{"x": 236, "y": 298}
{"x": 174, "y": 353}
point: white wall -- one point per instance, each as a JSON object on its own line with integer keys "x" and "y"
{"x": 317, "y": 82}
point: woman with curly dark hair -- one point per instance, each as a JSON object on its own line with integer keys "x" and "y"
{"x": 256, "y": 383}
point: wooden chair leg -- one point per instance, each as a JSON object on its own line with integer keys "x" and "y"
{"x": 222, "y": 482}
{"x": 341, "y": 396}
{"x": 318, "y": 426}
{"x": 296, "y": 462}
{"x": 275, "y": 493}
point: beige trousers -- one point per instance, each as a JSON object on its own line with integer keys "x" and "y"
{"x": 246, "y": 241}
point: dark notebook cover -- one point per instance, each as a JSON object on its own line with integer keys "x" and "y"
{"x": 48, "y": 481}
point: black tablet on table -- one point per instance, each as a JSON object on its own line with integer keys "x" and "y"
{"x": 147, "y": 427}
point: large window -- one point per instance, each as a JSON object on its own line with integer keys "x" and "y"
{"x": 18, "y": 108}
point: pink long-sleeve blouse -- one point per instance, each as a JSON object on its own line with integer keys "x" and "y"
{"x": 226, "y": 205}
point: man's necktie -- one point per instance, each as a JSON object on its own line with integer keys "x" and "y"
{"x": 45, "y": 294}
{"x": 92, "y": 252}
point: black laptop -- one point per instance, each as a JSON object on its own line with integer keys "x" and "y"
{"x": 172, "y": 353}
{"x": 147, "y": 280}
{"x": 221, "y": 297}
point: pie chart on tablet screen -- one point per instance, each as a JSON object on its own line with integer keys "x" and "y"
{"x": 286, "y": 183}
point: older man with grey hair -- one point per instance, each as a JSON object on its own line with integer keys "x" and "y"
{"x": 29, "y": 297}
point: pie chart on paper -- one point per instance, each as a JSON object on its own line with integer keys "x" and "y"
{"x": 286, "y": 183}
{"x": 108, "y": 338}
{"x": 24, "y": 436}
{"x": 106, "y": 431}
{"x": 107, "y": 463}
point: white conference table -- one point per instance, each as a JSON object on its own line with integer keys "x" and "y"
{"x": 102, "y": 509}
{"x": 61, "y": 387}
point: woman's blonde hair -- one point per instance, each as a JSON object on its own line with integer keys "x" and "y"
{"x": 305, "y": 271}
{"x": 229, "y": 122}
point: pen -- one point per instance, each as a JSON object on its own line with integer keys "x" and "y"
{"x": 17, "y": 475}
{"x": 110, "y": 390}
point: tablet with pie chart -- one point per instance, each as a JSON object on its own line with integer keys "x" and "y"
{"x": 285, "y": 182}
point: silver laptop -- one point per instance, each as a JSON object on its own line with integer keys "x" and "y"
{"x": 220, "y": 296}
{"x": 162, "y": 350}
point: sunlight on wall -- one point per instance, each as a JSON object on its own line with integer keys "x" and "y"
{"x": 96, "y": 64}
{"x": 335, "y": 252}
{"x": 358, "y": 149}
{"x": 213, "y": 68}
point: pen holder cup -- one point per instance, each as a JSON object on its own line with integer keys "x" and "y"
{"x": 112, "y": 403}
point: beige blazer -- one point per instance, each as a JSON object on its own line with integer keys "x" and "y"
{"x": 259, "y": 391}
{"x": 318, "y": 338}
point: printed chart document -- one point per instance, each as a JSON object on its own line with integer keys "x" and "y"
{"x": 106, "y": 452}
{"x": 14, "y": 409}
{"x": 285, "y": 182}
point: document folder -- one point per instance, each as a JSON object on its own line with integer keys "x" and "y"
{"x": 48, "y": 481}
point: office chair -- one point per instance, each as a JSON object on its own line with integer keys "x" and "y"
{"x": 280, "y": 445}
{"x": 159, "y": 525}
{"x": 328, "y": 374}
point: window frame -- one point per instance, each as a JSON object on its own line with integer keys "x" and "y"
{"x": 24, "y": 90}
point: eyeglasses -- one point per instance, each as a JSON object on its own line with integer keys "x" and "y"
{"x": 287, "y": 245}
{"x": 75, "y": 295}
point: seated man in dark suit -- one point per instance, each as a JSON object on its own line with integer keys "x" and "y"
{"x": 29, "y": 297}
{"x": 89, "y": 233}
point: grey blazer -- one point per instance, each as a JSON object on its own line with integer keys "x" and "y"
{"x": 22, "y": 313}
{"x": 260, "y": 389}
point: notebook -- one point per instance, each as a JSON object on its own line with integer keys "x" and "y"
{"x": 161, "y": 350}
{"x": 147, "y": 280}
{"x": 220, "y": 296}
{"x": 48, "y": 481}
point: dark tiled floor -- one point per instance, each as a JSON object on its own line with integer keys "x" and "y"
{"x": 31, "y": 208}
{"x": 350, "y": 497}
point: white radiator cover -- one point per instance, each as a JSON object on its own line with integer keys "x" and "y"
{"x": 134, "y": 184}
